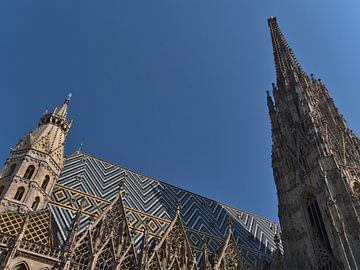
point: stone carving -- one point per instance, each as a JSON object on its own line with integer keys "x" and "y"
{"x": 320, "y": 152}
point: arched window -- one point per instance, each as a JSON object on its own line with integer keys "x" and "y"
{"x": 11, "y": 169}
{"x": 46, "y": 182}
{"x": 35, "y": 203}
{"x": 2, "y": 189}
{"x": 316, "y": 221}
{"x": 29, "y": 172}
{"x": 19, "y": 193}
{"x": 21, "y": 266}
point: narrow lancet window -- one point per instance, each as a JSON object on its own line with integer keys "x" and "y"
{"x": 35, "y": 203}
{"x": 19, "y": 193}
{"x": 46, "y": 182}
{"x": 29, "y": 172}
{"x": 11, "y": 170}
{"x": 316, "y": 221}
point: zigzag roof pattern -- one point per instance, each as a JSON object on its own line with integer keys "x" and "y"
{"x": 94, "y": 183}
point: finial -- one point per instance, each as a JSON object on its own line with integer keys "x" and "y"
{"x": 71, "y": 122}
{"x": 178, "y": 207}
{"x": 81, "y": 144}
{"x": 122, "y": 184}
{"x": 77, "y": 217}
{"x": 271, "y": 19}
{"x": 204, "y": 243}
{"x": 229, "y": 223}
{"x": 67, "y": 100}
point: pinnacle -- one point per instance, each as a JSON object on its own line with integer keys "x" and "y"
{"x": 67, "y": 100}
{"x": 271, "y": 19}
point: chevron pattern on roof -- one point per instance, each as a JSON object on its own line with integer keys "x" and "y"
{"x": 94, "y": 183}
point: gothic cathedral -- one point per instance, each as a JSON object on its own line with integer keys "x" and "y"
{"x": 83, "y": 213}
{"x": 316, "y": 167}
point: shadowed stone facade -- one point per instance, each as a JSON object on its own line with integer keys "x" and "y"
{"x": 84, "y": 213}
{"x": 316, "y": 166}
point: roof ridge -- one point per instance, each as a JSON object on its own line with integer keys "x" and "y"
{"x": 162, "y": 182}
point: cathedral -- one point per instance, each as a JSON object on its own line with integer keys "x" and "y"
{"x": 83, "y": 213}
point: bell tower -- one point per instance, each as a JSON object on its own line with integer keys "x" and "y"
{"x": 316, "y": 167}
{"x": 35, "y": 163}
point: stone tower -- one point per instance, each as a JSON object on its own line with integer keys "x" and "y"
{"x": 316, "y": 166}
{"x": 35, "y": 163}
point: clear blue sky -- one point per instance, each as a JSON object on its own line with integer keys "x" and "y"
{"x": 174, "y": 89}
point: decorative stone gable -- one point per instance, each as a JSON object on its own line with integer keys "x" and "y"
{"x": 229, "y": 257}
{"x": 106, "y": 244}
{"x": 173, "y": 251}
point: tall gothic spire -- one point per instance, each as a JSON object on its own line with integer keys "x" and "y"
{"x": 62, "y": 111}
{"x": 287, "y": 67}
{"x": 316, "y": 167}
{"x": 308, "y": 101}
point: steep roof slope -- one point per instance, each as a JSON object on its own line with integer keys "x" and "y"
{"x": 94, "y": 183}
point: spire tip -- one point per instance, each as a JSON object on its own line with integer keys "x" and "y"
{"x": 67, "y": 100}
{"x": 178, "y": 207}
{"x": 229, "y": 223}
{"x": 271, "y": 19}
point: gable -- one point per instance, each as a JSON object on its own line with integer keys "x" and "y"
{"x": 97, "y": 181}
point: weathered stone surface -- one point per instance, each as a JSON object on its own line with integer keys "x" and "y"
{"x": 316, "y": 164}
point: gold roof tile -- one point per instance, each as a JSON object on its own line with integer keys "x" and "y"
{"x": 39, "y": 228}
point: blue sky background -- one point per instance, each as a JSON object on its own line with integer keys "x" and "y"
{"x": 172, "y": 89}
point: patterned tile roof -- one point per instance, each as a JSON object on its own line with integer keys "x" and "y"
{"x": 94, "y": 183}
{"x": 39, "y": 227}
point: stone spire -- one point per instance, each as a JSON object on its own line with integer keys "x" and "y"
{"x": 316, "y": 167}
{"x": 35, "y": 163}
{"x": 287, "y": 67}
{"x": 62, "y": 111}
{"x": 50, "y": 135}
